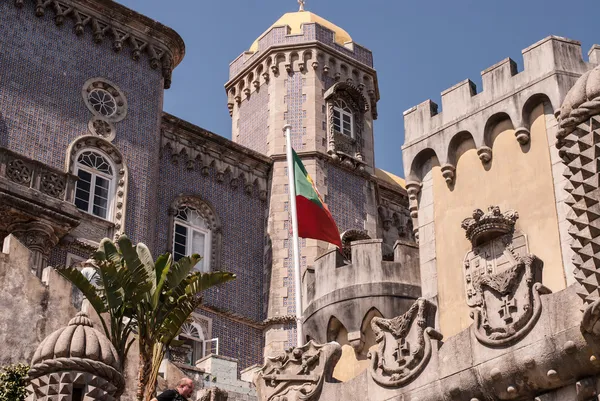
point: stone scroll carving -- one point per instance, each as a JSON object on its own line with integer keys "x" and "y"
{"x": 502, "y": 280}
{"x": 297, "y": 374}
{"x": 578, "y": 142}
{"x": 404, "y": 345}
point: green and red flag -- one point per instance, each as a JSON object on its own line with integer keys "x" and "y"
{"x": 314, "y": 219}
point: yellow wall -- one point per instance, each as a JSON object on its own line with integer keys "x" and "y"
{"x": 352, "y": 364}
{"x": 516, "y": 180}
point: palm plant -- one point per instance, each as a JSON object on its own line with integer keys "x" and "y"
{"x": 151, "y": 299}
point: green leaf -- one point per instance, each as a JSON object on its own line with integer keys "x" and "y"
{"x": 136, "y": 281}
{"x": 88, "y": 290}
{"x": 180, "y": 269}
{"x": 162, "y": 268}
{"x": 145, "y": 258}
{"x": 110, "y": 251}
{"x": 204, "y": 281}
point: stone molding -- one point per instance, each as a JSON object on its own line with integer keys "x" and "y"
{"x": 126, "y": 28}
{"x": 121, "y": 175}
{"x": 202, "y": 150}
{"x": 261, "y": 325}
{"x": 297, "y": 58}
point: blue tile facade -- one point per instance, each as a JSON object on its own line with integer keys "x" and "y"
{"x": 346, "y": 198}
{"x": 42, "y": 110}
{"x": 253, "y": 120}
{"x": 43, "y": 69}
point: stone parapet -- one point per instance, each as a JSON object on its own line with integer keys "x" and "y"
{"x": 553, "y": 362}
{"x": 551, "y": 67}
{"x": 349, "y": 290}
{"x": 221, "y": 371}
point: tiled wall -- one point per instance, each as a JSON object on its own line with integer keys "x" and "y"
{"x": 295, "y": 114}
{"x": 242, "y": 219}
{"x": 42, "y": 109}
{"x": 253, "y": 118}
{"x": 346, "y": 198}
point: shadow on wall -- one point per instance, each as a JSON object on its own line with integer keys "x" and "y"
{"x": 3, "y": 132}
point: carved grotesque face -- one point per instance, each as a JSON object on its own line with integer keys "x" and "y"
{"x": 387, "y": 224}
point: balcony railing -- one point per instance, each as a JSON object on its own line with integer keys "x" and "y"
{"x": 36, "y": 175}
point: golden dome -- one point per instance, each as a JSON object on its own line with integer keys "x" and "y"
{"x": 295, "y": 21}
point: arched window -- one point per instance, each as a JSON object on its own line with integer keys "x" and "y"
{"x": 94, "y": 193}
{"x": 193, "y": 338}
{"x": 343, "y": 119}
{"x": 195, "y": 228}
{"x": 192, "y": 235}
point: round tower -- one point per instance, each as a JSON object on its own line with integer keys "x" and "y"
{"x": 307, "y": 72}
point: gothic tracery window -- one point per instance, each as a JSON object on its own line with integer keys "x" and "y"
{"x": 192, "y": 235}
{"x": 103, "y": 102}
{"x": 95, "y": 187}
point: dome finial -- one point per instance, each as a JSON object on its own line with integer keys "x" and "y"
{"x": 301, "y": 2}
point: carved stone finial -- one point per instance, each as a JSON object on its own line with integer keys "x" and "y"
{"x": 485, "y": 226}
{"x": 448, "y": 172}
{"x": 301, "y": 3}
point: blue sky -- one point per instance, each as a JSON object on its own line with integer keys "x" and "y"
{"x": 420, "y": 47}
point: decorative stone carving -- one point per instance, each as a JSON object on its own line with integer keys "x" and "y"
{"x": 448, "y": 172}
{"x": 19, "y": 171}
{"x": 39, "y": 238}
{"x": 165, "y": 49}
{"x": 485, "y": 154}
{"x": 404, "y": 345}
{"x": 579, "y": 147}
{"x": 502, "y": 280}
{"x": 523, "y": 135}
{"x": 76, "y": 356}
{"x": 102, "y": 128}
{"x": 206, "y": 153}
{"x": 297, "y": 374}
{"x": 104, "y": 100}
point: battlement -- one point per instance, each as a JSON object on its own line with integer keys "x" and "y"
{"x": 349, "y": 291}
{"x": 311, "y": 32}
{"x": 550, "y": 56}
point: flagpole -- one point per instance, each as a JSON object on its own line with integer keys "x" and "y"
{"x": 287, "y": 129}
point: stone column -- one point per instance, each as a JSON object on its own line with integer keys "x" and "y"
{"x": 39, "y": 238}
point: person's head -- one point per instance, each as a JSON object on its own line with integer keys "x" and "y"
{"x": 185, "y": 387}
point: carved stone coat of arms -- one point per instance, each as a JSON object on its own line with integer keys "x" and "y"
{"x": 502, "y": 279}
{"x": 298, "y": 374}
{"x": 404, "y": 345}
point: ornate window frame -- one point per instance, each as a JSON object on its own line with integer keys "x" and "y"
{"x": 340, "y": 144}
{"x": 95, "y": 174}
{"x": 213, "y": 223}
{"x": 95, "y": 143}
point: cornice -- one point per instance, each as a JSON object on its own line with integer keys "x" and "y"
{"x": 301, "y": 46}
{"x": 196, "y": 146}
{"x": 107, "y": 18}
{"x": 247, "y": 321}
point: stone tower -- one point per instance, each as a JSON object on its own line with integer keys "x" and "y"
{"x": 307, "y": 72}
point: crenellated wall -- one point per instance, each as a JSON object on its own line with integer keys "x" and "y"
{"x": 492, "y": 147}
{"x": 342, "y": 297}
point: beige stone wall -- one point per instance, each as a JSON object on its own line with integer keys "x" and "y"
{"x": 519, "y": 179}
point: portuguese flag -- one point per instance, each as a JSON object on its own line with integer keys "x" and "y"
{"x": 314, "y": 219}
